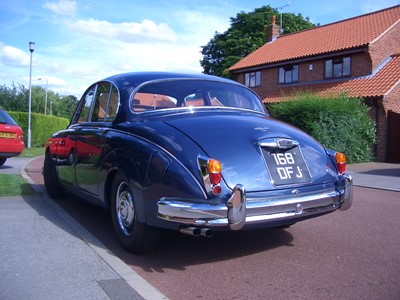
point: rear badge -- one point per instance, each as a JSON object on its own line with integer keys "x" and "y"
{"x": 263, "y": 129}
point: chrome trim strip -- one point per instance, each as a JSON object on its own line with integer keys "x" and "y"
{"x": 279, "y": 143}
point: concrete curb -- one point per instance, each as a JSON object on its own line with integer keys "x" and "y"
{"x": 133, "y": 279}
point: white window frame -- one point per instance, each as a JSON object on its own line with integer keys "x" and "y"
{"x": 252, "y": 79}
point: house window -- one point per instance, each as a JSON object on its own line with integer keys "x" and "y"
{"x": 337, "y": 67}
{"x": 289, "y": 74}
{"x": 252, "y": 79}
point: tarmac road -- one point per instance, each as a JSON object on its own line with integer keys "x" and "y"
{"x": 343, "y": 255}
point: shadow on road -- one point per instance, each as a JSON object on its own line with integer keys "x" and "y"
{"x": 5, "y": 167}
{"x": 175, "y": 250}
{"x": 383, "y": 172}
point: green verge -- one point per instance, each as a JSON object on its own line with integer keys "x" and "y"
{"x": 14, "y": 185}
{"x": 32, "y": 152}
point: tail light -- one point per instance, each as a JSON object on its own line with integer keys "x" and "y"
{"x": 211, "y": 173}
{"x": 340, "y": 162}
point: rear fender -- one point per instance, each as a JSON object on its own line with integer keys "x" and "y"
{"x": 153, "y": 173}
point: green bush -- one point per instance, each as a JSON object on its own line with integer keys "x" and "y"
{"x": 42, "y": 126}
{"x": 339, "y": 123}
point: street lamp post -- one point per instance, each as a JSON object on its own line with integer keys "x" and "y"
{"x": 31, "y": 49}
{"x": 45, "y": 99}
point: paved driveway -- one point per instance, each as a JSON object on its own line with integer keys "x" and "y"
{"x": 14, "y": 165}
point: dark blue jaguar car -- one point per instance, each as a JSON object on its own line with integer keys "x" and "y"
{"x": 194, "y": 153}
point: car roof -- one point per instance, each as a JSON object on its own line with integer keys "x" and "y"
{"x": 134, "y": 79}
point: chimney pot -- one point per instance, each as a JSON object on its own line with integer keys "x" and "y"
{"x": 272, "y": 31}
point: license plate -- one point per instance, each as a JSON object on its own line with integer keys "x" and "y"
{"x": 287, "y": 166}
{"x": 7, "y": 135}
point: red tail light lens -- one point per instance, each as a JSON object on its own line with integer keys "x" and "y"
{"x": 211, "y": 173}
{"x": 214, "y": 171}
{"x": 340, "y": 162}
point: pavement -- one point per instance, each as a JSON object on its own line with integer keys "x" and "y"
{"x": 376, "y": 175}
{"x": 46, "y": 254}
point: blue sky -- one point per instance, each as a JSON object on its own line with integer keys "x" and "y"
{"x": 81, "y": 41}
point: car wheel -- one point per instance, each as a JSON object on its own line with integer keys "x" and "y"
{"x": 70, "y": 157}
{"x": 51, "y": 182}
{"x": 2, "y": 161}
{"x": 135, "y": 236}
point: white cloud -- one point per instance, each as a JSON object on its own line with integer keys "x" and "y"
{"x": 13, "y": 56}
{"x": 130, "y": 32}
{"x": 62, "y": 7}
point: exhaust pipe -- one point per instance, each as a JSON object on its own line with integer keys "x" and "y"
{"x": 190, "y": 231}
{"x": 207, "y": 232}
{"x": 195, "y": 231}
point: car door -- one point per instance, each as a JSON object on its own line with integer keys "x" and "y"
{"x": 66, "y": 167}
{"x": 91, "y": 142}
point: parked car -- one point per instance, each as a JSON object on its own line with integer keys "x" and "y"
{"x": 194, "y": 153}
{"x": 11, "y": 137}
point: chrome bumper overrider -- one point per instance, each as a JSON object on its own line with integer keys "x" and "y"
{"x": 238, "y": 211}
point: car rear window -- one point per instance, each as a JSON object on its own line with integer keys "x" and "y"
{"x": 5, "y": 118}
{"x": 193, "y": 93}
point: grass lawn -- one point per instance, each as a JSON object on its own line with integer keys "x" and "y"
{"x": 15, "y": 185}
{"x": 32, "y": 152}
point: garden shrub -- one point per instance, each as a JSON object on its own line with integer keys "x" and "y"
{"x": 42, "y": 126}
{"x": 340, "y": 123}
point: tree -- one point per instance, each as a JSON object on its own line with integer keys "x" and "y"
{"x": 246, "y": 34}
{"x": 15, "y": 98}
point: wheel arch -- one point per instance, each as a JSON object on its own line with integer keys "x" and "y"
{"x": 121, "y": 162}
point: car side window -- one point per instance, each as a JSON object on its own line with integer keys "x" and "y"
{"x": 106, "y": 104}
{"x": 83, "y": 112}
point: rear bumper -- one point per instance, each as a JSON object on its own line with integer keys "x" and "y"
{"x": 10, "y": 148}
{"x": 239, "y": 211}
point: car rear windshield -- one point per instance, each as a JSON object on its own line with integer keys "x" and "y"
{"x": 193, "y": 93}
{"x": 5, "y": 118}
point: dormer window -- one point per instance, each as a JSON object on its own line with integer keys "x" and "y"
{"x": 289, "y": 74}
{"x": 337, "y": 67}
{"x": 252, "y": 79}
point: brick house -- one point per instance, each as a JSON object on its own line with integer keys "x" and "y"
{"x": 359, "y": 56}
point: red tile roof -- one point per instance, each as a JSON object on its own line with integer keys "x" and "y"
{"x": 347, "y": 34}
{"x": 375, "y": 85}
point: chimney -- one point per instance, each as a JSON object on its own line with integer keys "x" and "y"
{"x": 272, "y": 31}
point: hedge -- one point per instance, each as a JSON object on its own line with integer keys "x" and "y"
{"x": 42, "y": 126}
{"x": 339, "y": 123}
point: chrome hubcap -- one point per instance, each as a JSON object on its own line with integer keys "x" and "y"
{"x": 125, "y": 209}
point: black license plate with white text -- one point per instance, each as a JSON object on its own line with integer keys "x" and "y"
{"x": 287, "y": 166}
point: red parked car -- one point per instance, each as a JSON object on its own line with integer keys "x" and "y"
{"x": 11, "y": 137}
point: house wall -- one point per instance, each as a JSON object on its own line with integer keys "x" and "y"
{"x": 385, "y": 46}
{"x": 361, "y": 65}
